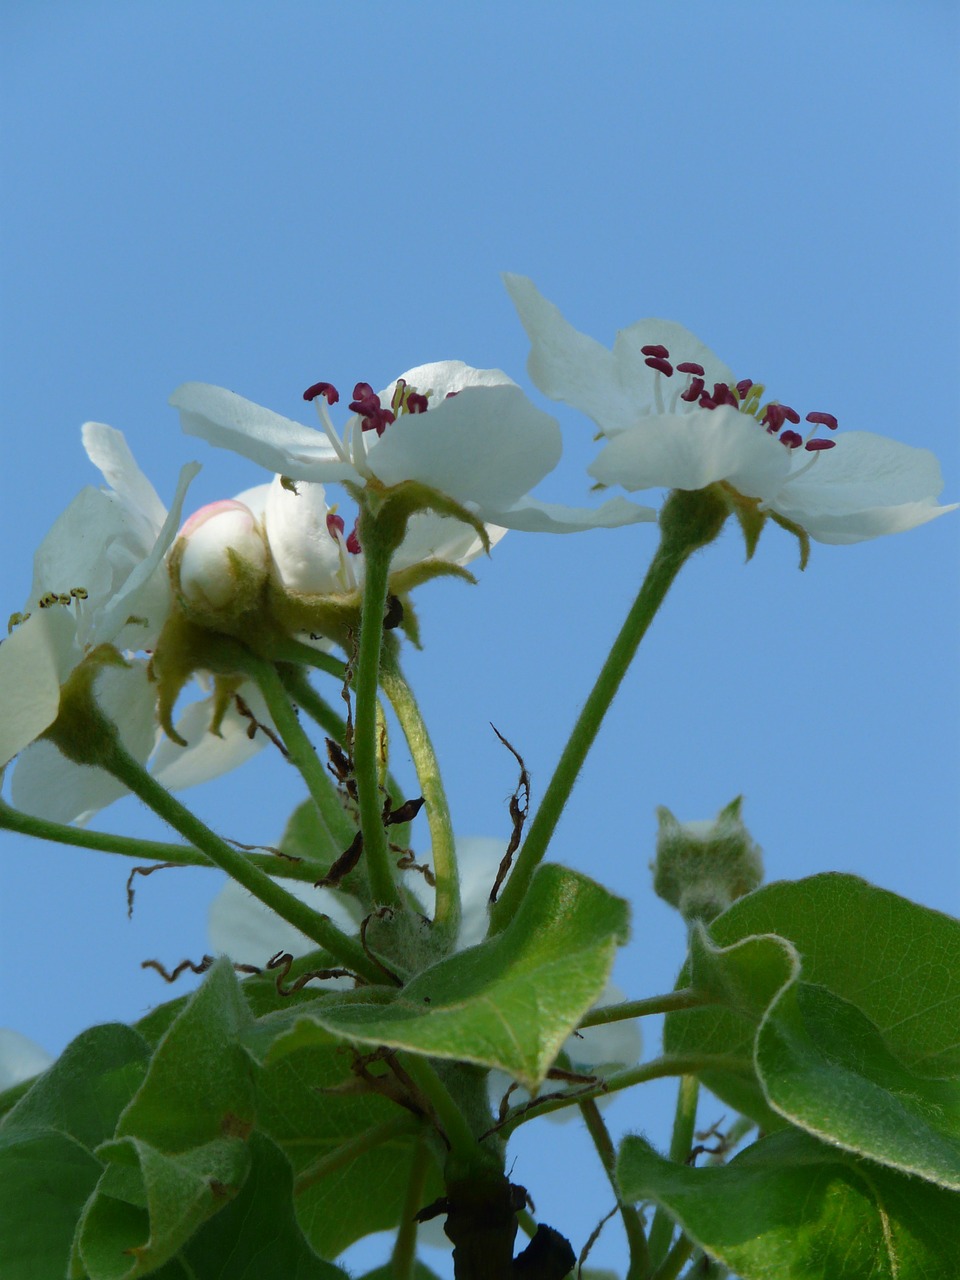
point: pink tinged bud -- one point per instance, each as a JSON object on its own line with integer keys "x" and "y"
{"x": 823, "y": 420}
{"x": 216, "y": 537}
{"x": 659, "y": 363}
{"x": 816, "y": 446}
{"x": 325, "y": 389}
{"x": 335, "y": 525}
{"x": 688, "y": 366}
{"x": 693, "y": 391}
{"x": 656, "y": 350}
{"x": 792, "y": 439}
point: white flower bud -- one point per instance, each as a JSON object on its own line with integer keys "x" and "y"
{"x": 224, "y": 556}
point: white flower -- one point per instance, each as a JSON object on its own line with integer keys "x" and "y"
{"x": 677, "y": 418}
{"x": 100, "y": 577}
{"x": 241, "y": 927}
{"x": 20, "y": 1058}
{"x": 469, "y": 433}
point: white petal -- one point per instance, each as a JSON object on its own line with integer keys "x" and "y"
{"x": 20, "y": 1058}
{"x": 107, "y": 449}
{"x": 532, "y": 516}
{"x": 433, "y": 537}
{"x": 75, "y": 552}
{"x": 241, "y": 927}
{"x": 444, "y": 378}
{"x": 617, "y": 388}
{"x": 690, "y": 451}
{"x": 305, "y": 555}
{"x": 872, "y": 522}
{"x": 863, "y": 470}
{"x": 48, "y": 785}
{"x": 136, "y": 591}
{"x": 207, "y": 756}
{"x": 229, "y": 421}
{"x": 611, "y": 1045}
{"x": 488, "y": 444}
{"x": 34, "y": 661}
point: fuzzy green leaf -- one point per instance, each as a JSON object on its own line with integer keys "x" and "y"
{"x": 792, "y": 1208}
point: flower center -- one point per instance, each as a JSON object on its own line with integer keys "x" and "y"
{"x": 370, "y": 412}
{"x": 47, "y": 601}
{"x": 746, "y": 396}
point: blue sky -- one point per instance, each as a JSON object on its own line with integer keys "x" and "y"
{"x": 266, "y": 197}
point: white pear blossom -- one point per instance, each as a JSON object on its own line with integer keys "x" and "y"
{"x": 470, "y": 434}
{"x": 20, "y": 1059}
{"x": 100, "y": 577}
{"x": 676, "y": 417}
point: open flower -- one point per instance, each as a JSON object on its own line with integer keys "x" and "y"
{"x": 468, "y": 434}
{"x": 100, "y": 577}
{"x": 677, "y": 418}
{"x": 20, "y": 1059}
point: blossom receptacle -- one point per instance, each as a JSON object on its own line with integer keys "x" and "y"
{"x": 702, "y": 867}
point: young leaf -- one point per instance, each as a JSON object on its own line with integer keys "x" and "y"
{"x": 792, "y": 1208}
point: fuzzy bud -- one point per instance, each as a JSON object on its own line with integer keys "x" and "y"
{"x": 702, "y": 867}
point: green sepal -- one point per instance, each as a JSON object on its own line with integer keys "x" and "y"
{"x": 801, "y": 535}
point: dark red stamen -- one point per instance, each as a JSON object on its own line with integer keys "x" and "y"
{"x": 659, "y": 363}
{"x": 823, "y": 420}
{"x": 723, "y": 395}
{"x": 773, "y": 418}
{"x": 816, "y": 446}
{"x": 363, "y": 391}
{"x": 325, "y": 389}
{"x": 334, "y": 525}
{"x": 693, "y": 391}
{"x": 743, "y": 388}
{"x": 792, "y": 439}
{"x": 656, "y": 350}
{"x": 353, "y": 542}
{"x": 367, "y": 403}
{"x": 707, "y": 401}
{"x": 416, "y": 403}
{"x": 791, "y": 415}
{"x": 451, "y": 394}
{"x": 688, "y": 366}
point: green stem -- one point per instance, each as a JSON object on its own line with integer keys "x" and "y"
{"x": 400, "y": 1126}
{"x": 400, "y": 695}
{"x": 294, "y": 651}
{"x": 335, "y": 822}
{"x": 632, "y": 1222}
{"x": 113, "y": 757}
{"x": 182, "y": 855}
{"x": 366, "y": 738}
{"x": 669, "y": 1269}
{"x": 677, "y": 1064}
{"x": 462, "y": 1142}
{"x": 684, "y": 998}
{"x": 687, "y": 522}
{"x": 404, "y": 1255}
{"x": 681, "y": 1144}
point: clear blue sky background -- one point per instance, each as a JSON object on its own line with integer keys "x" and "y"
{"x": 265, "y": 196}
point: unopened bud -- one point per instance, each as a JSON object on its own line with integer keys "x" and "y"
{"x": 221, "y": 558}
{"x": 702, "y": 867}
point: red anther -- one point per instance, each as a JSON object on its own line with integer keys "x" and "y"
{"x": 792, "y": 439}
{"x": 688, "y": 366}
{"x": 451, "y": 394}
{"x": 363, "y": 390}
{"x": 693, "y": 391}
{"x": 416, "y": 403}
{"x": 823, "y": 420}
{"x": 325, "y": 389}
{"x": 659, "y": 363}
{"x": 743, "y": 388}
{"x": 334, "y": 525}
{"x": 353, "y": 542}
{"x": 774, "y": 417}
{"x": 367, "y": 403}
{"x": 723, "y": 395}
{"x": 707, "y": 401}
{"x": 791, "y": 415}
{"x": 815, "y": 446}
{"x": 656, "y": 350}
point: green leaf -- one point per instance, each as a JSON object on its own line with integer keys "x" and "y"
{"x": 305, "y": 836}
{"x": 257, "y": 1237}
{"x": 792, "y": 1208}
{"x": 848, "y": 997}
{"x": 198, "y": 1086}
{"x": 508, "y": 1003}
{"x": 367, "y": 1142}
{"x": 149, "y": 1204}
{"x": 45, "y": 1179}
{"x": 86, "y": 1089}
